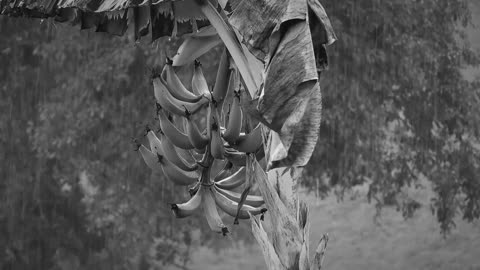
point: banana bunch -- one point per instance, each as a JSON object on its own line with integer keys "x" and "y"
{"x": 200, "y": 127}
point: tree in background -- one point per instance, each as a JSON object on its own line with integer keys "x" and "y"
{"x": 73, "y": 191}
{"x": 397, "y": 108}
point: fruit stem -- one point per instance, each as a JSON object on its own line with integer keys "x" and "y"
{"x": 159, "y": 158}
{"x": 187, "y": 113}
{"x": 137, "y": 144}
{"x": 158, "y": 107}
{"x": 147, "y": 129}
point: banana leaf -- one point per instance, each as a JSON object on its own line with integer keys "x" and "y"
{"x": 280, "y": 33}
{"x": 158, "y": 18}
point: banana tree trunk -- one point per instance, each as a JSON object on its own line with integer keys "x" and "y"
{"x": 285, "y": 243}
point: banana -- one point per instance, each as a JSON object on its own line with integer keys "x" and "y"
{"x": 198, "y": 140}
{"x": 173, "y": 156}
{"x": 229, "y": 38}
{"x": 159, "y": 163}
{"x": 232, "y": 181}
{"x": 199, "y": 83}
{"x": 251, "y": 142}
{"x": 187, "y": 155}
{"x": 211, "y": 212}
{"x": 193, "y": 190}
{"x": 190, "y": 207}
{"x": 224, "y": 74}
{"x": 151, "y": 159}
{"x": 165, "y": 148}
{"x": 176, "y": 175}
{"x": 216, "y": 143}
{"x": 155, "y": 143}
{"x": 235, "y": 119}
{"x": 175, "y": 85}
{"x": 170, "y": 103}
{"x": 231, "y": 207}
{"x": 195, "y": 46}
{"x": 178, "y": 138}
{"x": 224, "y": 172}
{"x": 233, "y": 81}
{"x": 251, "y": 200}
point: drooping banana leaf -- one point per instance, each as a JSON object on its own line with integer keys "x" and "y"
{"x": 156, "y": 17}
{"x": 279, "y": 32}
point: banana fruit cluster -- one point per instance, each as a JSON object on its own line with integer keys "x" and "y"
{"x": 198, "y": 128}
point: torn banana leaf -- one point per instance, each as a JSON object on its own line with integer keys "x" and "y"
{"x": 141, "y": 21}
{"x": 115, "y": 25}
{"x": 164, "y": 18}
{"x": 300, "y": 133}
{"x": 327, "y": 35}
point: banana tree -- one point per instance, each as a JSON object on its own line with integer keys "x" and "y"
{"x": 278, "y": 64}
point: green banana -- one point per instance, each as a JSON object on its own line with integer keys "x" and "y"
{"x": 235, "y": 118}
{"x": 178, "y": 138}
{"x": 216, "y": 143}
{"x": 159, "y": 163}
{"x": 211, "y": 213}
{"x": 155, "y": 143}
{"x": 198, "y": 140}
{"x": 187, "y": 155}
{"x": 232, "y": 181}
{"x": 224, "y": 172}
{"x": 231, "y": 207}
{"x": 150, "y": 158}
{"x": 195, "y": 46}
{"x": 177, "y": 175}
{"x": 190, "y": 207}
{"x": 199, "y": 83}
{"x": 175, "y": 85}
{"x": 251, "y": 142}
{"x": 170, "y": 103}
{"x": 172, "y": 155}
{"x": 224, "y": 74}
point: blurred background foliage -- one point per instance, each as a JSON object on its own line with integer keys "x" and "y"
{"x": 397, "y": 108}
